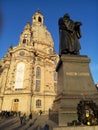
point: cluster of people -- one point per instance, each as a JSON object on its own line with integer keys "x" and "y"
{"x": 7, "y": 114}
{"x": 22, "y": 116}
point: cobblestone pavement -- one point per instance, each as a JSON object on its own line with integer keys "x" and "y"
{"x": 36, "y": 123}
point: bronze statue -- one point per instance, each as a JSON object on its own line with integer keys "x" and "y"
{"x": 69, "y": 32}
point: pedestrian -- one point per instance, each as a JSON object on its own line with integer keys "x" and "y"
{"x": 30, "y": 116}
{"x": 40, "y": 112}
{"x": 46, "y": 127}
{"x": 21, "y": 118}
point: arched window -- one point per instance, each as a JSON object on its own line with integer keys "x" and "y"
{"x": 19, "y": 75}
{"x": 38, "y": 79}
{"x": 38, "y": 85}
{"x": 38, "y": 72}
{"x": 39, "y": 19}
{"x": 24, "y": 40}
{"x": 38, "y": 103}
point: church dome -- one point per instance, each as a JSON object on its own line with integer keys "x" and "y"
{"x": 39, "y": 30}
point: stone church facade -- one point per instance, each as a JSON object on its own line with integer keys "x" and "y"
{"x": 27, "y": 72}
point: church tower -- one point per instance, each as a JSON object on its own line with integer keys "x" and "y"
{"x": 27, "y": 72}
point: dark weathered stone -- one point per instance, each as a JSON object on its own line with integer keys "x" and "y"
{"x": 75, "y": 83}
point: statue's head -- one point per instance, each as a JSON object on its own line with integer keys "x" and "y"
{"x": 66, "y": 15}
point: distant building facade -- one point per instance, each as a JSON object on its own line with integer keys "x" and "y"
{"x": 28, "y": 78}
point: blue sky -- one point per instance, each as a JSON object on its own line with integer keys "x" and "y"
{"x": 16, "y": 13}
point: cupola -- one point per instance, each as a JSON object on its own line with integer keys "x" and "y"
{"x": 38, "y": 18}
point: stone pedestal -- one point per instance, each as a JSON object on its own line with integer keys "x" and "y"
{"x": 75, "y": 83}
{"x": 77, "y": 128}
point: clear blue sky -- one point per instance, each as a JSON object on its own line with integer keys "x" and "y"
{"x": 16, "y": 13}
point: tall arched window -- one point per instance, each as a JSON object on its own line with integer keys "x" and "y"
{"x": 38, "y": 79}
{"x": 39, "y": 19}
{"x": 19, "y": 75}
{"x": 38, "y": 72}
